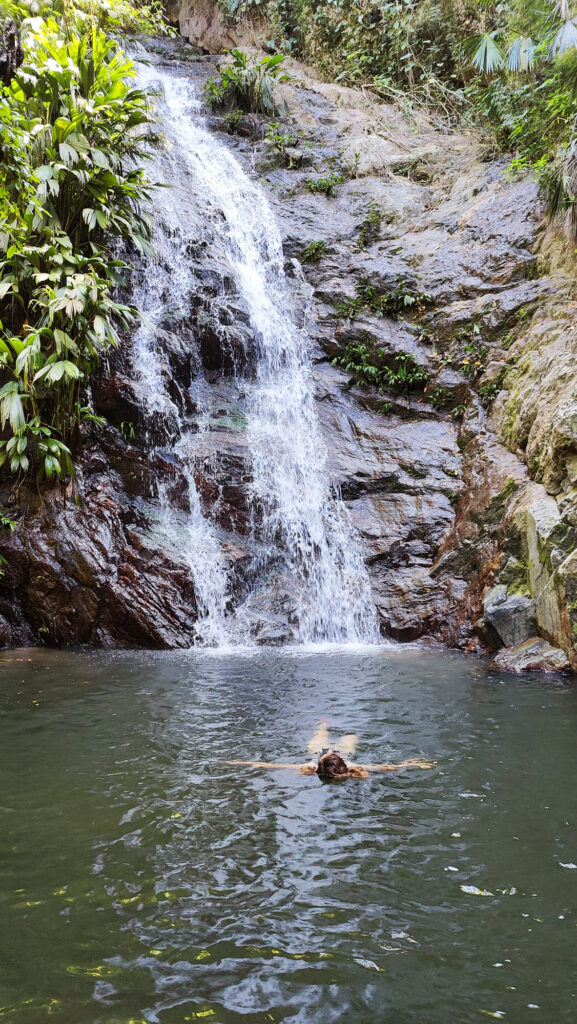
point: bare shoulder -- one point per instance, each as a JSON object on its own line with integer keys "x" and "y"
{"x": 308, "y": 769}
{"x": 357, "y": 771}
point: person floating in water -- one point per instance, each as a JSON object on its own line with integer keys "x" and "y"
{"x": 333, "y": 762}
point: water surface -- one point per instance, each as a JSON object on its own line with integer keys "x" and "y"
{"x": 144, "y": 880}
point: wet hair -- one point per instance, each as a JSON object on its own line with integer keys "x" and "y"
{"x": 331, "y": 766}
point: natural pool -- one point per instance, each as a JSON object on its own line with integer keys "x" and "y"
{"x": 144, "y": 880}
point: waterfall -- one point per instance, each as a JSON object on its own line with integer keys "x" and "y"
{"x": 303, "y": 537}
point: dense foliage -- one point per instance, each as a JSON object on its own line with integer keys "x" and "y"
{"x": 510, "y": 65}
{"x": 72, "y": 126}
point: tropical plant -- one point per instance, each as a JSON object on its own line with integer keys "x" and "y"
{"x": 282, "y": 139}
{"x": 400, "y": 373}
{"x": 248, "y": 83}
{"x": 110, "y": 15}
{"x": 557, "y": 32}
{"x": 72, "y": 126}
{"x": 532, "y": 98}
{"x": 400, "y": 300}
{"x": 325, "y": 185}
{"x": 314, "y": 251}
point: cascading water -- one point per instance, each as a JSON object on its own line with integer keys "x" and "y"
{"x": 162, "y": 295}
{"x": 304, "y": 535}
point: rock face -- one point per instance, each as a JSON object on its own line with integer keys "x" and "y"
{"x": 204, "y": 25}
{"x": 460, "y": 543}
{"x": 87, "y": 571}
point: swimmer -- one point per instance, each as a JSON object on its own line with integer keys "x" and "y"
{"x": 333, "y": 762}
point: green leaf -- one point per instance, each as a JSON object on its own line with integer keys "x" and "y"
{"x": 55, "y": 371}
{"x": 68, "y": 154}
{"x": 11, "y": 409}
{"x": 44, "y": 173}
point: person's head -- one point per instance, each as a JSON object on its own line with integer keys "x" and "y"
{"x": 331, "y": 766}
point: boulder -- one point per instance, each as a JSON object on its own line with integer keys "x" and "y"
{"x": 534, "y": 655}
{"x": 511, "y": 616}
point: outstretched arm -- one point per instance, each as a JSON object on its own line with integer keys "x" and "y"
{"x": 414, "y": 763}
{"x": 263, "y": 764}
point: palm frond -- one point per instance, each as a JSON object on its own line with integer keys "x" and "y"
{"x": 485, "y": 53}
{"x": 521, "y": 55}
{"x": 566, "y": 39}
{"x": 560, "y": 186}
{"x": 561, "y": 8}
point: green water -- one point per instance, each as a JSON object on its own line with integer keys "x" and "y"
{"x": 141, "y": 879}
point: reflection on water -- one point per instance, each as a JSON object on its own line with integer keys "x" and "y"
{"x": 144, "y": 880}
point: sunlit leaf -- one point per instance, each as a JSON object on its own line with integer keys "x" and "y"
{"x": 566, "y": 39}
{"x": 484, "y": 52}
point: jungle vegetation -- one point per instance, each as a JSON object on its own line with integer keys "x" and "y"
{"x": 508, "y": 66}
{"x": 73, "y": 126}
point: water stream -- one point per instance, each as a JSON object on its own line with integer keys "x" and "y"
{"x": 306, "y": 544}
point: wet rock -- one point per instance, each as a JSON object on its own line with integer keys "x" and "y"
{"x": 534, "y": 655}
{"x": 87, "y": 574}
{"x": 412, "y": 604}
{"x": 512, "y": 616}
{"x": 273, "y": 636}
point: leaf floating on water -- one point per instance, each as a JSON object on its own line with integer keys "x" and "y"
{"x": 203, "y": 955}
{"x": 199, "y": 1014}
{"x": 473, "y": 890}
{"x": 494, "y": 1013}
